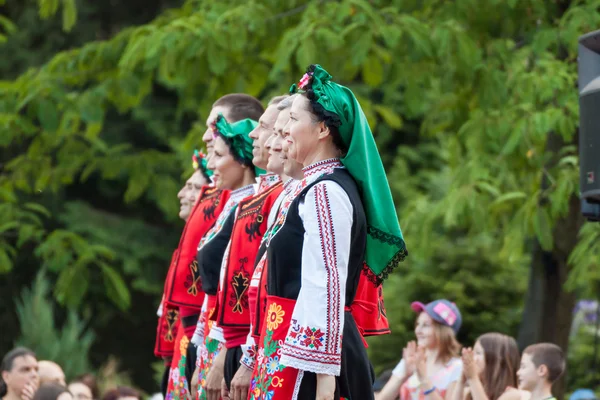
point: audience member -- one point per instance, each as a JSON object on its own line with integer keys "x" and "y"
{"x": 19, "y": 370}
{"x": 51, "y": 372}
{"x": 542, "y": 365}
{"x": 431, "y": 367}
{"x": 52, "y": 391}
{"x": 122, "y": 393}
{"x": 490, "y": 370}
{"x": 89, "y": 380}
{"x": 80, "y": 391}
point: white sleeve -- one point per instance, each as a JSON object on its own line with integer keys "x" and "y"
{"x": 456, "y": 372}
{"x": 314, "y": 340}
{"x": 400, "y": 369}
{"x": 249, "y": 351}
{"x": 216, "y": 333}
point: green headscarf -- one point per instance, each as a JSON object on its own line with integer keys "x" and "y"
{"x": 385, "y": 244}
{"x": 200, "y": 163}
{"x": 237, "y": 137}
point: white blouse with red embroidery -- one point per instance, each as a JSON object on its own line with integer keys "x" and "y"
{"x": 327, "y": 215}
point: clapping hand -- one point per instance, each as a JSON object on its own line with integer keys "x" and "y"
{"x": 409, "y": 354}
{"x": 469, "y": 367}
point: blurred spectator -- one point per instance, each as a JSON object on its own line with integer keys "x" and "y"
{"x": 430, "y": 367}
{"x": 52, "y": 391}
{"x": 122, "y": 393}
{"x": 80, "y": 391}
{"x": 51, "y": 372}
{"x": 89, "y": 380}
{"x": 583, "y": 394}
{"x": 19, "y": 371}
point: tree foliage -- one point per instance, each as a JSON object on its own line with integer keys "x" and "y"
{"x": 473, "y": 105}
{"x": 68, "y": 345}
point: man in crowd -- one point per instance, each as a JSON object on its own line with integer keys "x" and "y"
{"x": 20, "y": 378}
{"x": 51, "y": 372}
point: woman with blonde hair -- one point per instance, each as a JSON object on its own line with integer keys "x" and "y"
{"x": 430, "y": 367}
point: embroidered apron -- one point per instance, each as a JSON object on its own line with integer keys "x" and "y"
{"x": 271, "y": 380}
{"x": 178, "y": 384}
{"x": 209, "y": 349}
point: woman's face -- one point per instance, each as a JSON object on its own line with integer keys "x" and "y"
{"x": 80, "y": 391}
{"x": 305, "y": 133}
{"x": 290, "y": 166}
{"x": 479, "y": 357}
{"x": 228, "y": 173}
{"x": 425, "y": 331}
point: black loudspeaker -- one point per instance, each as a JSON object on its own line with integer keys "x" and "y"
{"x": 589, "y": 124}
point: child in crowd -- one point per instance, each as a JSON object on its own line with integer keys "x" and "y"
{"x": 542, "y": 364}
{"x": 430, "y": 368}
{"x": 490, "y": 370}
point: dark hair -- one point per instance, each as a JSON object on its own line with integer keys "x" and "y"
{"x": 8, "y": 363}
{"x": 551, "y": 356}
{"x": 50, "y": 391}
{"x": 121, "y": 391}
{"x": 331, "y": 120}
{"x": 241, "y": 106}
{"x": 88, "y": 380}
{"x": 502, "y": 361}
{"x": 277, "y": 99}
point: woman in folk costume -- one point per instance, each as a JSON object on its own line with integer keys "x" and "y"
{"x": 340, "y": 216}
{"x": 233, "y": 170}
{"x": 183, "y": 294}
{"x": 232, "y": 314}
{"x": 182, "y": 288}
{"x": 168, "y": 315}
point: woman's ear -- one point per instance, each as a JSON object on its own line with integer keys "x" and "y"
{"x": 323, "y": 130}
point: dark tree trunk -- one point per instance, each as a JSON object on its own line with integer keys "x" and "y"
{"x": 548, "y": 310}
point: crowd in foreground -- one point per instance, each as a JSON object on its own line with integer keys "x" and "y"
{"x": 23, "y": 377}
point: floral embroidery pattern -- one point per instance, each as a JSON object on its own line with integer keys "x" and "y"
{"x": 209, "y": 351}
{"x": 312, "y": 338}
{"x": 275, "y": 316}
{"x": 268, "y": 364}
{"x": 179, "y": 391}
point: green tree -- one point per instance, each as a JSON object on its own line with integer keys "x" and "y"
{"x": 68, "y": 346}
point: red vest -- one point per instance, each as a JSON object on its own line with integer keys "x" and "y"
{"x": 258, "y": 298}
{"x": 183, "y": 287}
{"x": 233, "y": 313}
{"x": 367, "y": 308}
{"x": 168, "y": 323}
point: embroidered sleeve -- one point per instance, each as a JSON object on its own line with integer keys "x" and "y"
{"x": 216, "y": 333}
{"x": 314, "y": 341}
{"x": 249, "y": 352}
